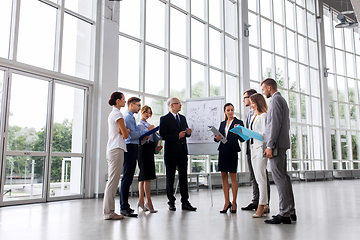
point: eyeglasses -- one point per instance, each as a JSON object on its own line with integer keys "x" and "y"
{"x": 246, "y": 97}
{"x": 176, "y": 103}
{"x": 139, "y": 105}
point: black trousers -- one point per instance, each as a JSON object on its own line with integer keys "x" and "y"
{"x": 129, "y": 166}
{"x": 171, "y": 163}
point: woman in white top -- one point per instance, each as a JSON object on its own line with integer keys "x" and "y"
{"x": 258, "y": 160}
{"x": 114, "y": 154}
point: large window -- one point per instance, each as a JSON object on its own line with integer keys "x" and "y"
{"x": 343, "y": 60}
{"x": 175, "y": 52}
{"x": 283, "y": 46}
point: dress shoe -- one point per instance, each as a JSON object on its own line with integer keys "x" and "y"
{"x": 293, "y": 217}
{"x": 233, "y": 210}
{"x": 148, "y": 209}
{"x": 172, "y": 206}
{"x": 251, "y": 206}
{"x": 141, "y": 205}
{"x": 128, "y": 213}
{"x": 263, "y": 213}
{"x": 225, "y": 210}
{"x": 278, "y": 219}
{"x": 188, "y": 207}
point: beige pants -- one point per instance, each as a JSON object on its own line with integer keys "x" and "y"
{"x": 115, "y": 159}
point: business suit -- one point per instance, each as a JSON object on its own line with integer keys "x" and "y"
{"x": 258, "y": 160}
{"x": 228, "y": 152}
{"x": 175, "y": 154}
{"x": 277, "y": 136}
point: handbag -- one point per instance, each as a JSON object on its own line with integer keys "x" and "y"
{"x": 157, "y": 141}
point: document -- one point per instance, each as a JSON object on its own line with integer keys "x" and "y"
{"x": 245, "y": 133}
{"x": 216, "y": 132}
{"x": 149, "y": 132}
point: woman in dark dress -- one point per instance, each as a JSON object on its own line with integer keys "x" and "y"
{"x": 146, "y": 162}
{"x": 228, "y": 156}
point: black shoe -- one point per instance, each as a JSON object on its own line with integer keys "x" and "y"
{"x": 278, "y": 219}
{"x": 188, "y": 207}
{"x": 232, "y": 210}
{"x": 225, "y": 210}
{"x": 132, "y": 210}
{"x": 172, "y": 206}
{"x": 251, "y": 206}
{"x": 293, "y": 217}
{"x": 128, "y": 213}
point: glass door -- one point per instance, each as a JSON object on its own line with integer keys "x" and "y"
{"x": 44, "y": 139}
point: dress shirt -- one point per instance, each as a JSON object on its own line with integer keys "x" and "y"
{"x": 134, "y": 132}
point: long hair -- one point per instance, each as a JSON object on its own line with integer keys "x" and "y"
{"x": 226, "y": 105}
{"x": 260, "y": 102}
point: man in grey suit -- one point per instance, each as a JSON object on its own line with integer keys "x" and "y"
{"x": 255, "y": 199}
{"x": 277, "y": 143}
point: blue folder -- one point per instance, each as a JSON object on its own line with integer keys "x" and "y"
{"x": 246, "y": 134}
{"x": 149, "y": 132}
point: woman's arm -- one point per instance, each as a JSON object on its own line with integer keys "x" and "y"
{"x": 122, "y": 127}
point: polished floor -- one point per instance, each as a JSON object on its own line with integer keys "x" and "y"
{"x": 325, "y": 209}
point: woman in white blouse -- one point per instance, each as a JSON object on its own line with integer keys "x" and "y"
{"x": 258, "y": 160}
{"x": 114, "y": 154}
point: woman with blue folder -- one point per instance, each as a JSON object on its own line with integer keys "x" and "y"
{"x": 146, "y": 162}
{"x": 258, "y": 160}
{"x": 228, "y": 156}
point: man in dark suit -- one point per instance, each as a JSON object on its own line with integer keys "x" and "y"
{"x": 277, "y": 141}
{"x": 174, "y": 130}
{"x": 255, "y": 199}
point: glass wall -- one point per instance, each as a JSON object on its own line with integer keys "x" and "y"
{"x": 197, "y": 58}
{"x": 284, "y": 46}
{"x": 343, "y": 60}
{"x": 62, "y": 43}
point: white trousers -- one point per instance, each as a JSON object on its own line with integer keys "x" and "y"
{"x": 259, "y": 163}
{"x": 115, "y": 159}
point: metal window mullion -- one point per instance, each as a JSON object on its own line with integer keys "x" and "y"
{"x": 49, "y": 139}
{"x": 207, "y": 51}
{"x": 223, "y": 47}
{"x": 142, "y": 46}
{"x": 59, "y": 37}
{"x": 167, "y": 55}
{"x": 14, "y": 32}
{"x": 188, "y": 89}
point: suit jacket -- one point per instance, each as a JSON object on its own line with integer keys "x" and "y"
{"x": 232, "y": 139}
{"x": 277, "y": 123}
{"x": 258, "y": 126}
{"x": 169, "y": 131}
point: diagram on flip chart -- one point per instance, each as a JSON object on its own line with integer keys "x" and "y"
{"x": 201, "y": 115}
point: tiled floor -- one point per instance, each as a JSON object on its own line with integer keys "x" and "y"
{"x": 326, "y": 210}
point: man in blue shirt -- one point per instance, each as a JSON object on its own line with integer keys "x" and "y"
{"x": 130, "y": 157}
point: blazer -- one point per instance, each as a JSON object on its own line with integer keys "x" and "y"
{"x": 248, "y": 118}
{"x": 277, "y": 123}
{"x": 232, "y": 139}
{"x": 259, "y": 127}
{"x": 169, "y": 131}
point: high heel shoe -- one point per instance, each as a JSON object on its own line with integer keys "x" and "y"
{"x": 234, "y": 211}
{"x": 139, "y": 204}
{"x": 148, "y": 209}
{"x": 225, "y": 210}
{"x": 264, "y": 212}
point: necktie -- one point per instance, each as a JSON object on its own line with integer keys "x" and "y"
{"x": 178, "y": 120}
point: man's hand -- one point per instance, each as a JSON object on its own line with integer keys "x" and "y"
{"x": 217, "y": 137}
{"x": 182, "y": 134}
{"x": 269, "y": 153}
{"x": 188, "y": 131}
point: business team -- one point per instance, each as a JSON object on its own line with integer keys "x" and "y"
{"x": 271, "y": 122}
